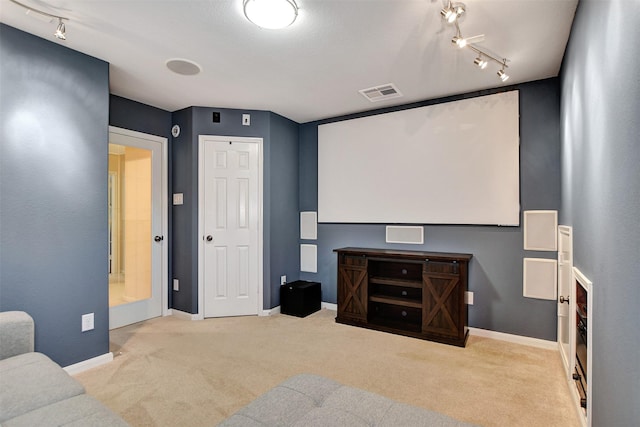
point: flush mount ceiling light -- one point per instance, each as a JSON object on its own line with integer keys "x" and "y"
{"x": 61, "y": 31}
{"x": 271, "y": 14}
{"x": 451, "y": 14}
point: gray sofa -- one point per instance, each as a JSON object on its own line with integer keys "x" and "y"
{"x": 313, "y": 401}
{"x": 34, "y": 390}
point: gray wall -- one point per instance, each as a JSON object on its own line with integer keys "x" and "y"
{"x": 496, "y": 269}
{"x": 53, "y": 211}
{"x": 601, "y": 193}
{"x": 280, "y": 204}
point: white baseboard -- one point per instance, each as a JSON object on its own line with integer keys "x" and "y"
{"x": 85, "y": 365}
{"x": 184, "y": 315}
{"x": 270, "y": 312}
{"x": 276, "y": 310}
{"x": 516, "y": 339}
{"x": 329, "y": 306}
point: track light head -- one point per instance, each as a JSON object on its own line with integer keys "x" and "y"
{"x": 459, "y": 41}
{"x": 452, "y": 12}
{"x": 481, "y": 63}
{"x": 503, "y": 76}
{"x": 61, "y": 31}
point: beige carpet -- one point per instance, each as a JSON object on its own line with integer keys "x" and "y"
{"x": 174, "y": 372}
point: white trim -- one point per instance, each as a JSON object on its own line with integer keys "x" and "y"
{"x": 259, "y": 142}
{"x": 588, "y": 286}
{"x": 329, "y": 306}
{"x": 85, "y": 365}
{"x": 270, "y": 312}
{"x": 567, "y": 360}
{"x": 573, "y": 391}
{"x": 516, "y": 339}
{"x": 164, "y": 143}
{"x": 184, "y": 315}
{"x": 276, "y": 310}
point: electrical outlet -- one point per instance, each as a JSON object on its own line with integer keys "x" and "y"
{"x": 176, "y": 285}
{"x": 468, "y": 298}
{"x": 87, "y": 322}
{"x": 283, "y": 280}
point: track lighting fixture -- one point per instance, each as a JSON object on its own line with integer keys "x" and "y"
{"x": 459, "y": 41}
{"x": 451, "y": 14}
{"x": 61, "y": 31}
{"x": 503, "y": 76}
{"x": 481, "y": 63}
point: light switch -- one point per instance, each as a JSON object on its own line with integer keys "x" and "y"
{"x": 178, "y": 199}
{"x": 246, "y": 120}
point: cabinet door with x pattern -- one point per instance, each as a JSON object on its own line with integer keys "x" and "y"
{"x": 443, "y": 309}
{"x": 352, "y": 288}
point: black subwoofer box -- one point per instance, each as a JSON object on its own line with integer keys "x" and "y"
{"x": 300, "y": 298}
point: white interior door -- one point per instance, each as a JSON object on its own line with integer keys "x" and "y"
{"x": 230, "y": 203}
{"x": 137, "y": 227}
{"x": 565, "y": 296}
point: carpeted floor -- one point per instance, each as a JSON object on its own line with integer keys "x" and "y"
{"x": 174, "y": 372}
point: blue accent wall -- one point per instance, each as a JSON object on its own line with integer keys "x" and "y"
{"x": 280, "y": 196}
{"x": 496, "y": 269}
{"x": 127, "y": 114}
{"x": 600, "y": 119}
{"x": 53, "y": 192}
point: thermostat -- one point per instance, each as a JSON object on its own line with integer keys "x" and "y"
{"x": 175, "y": 131}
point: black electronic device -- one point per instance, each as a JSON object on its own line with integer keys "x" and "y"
{"x": 300, "y": 298}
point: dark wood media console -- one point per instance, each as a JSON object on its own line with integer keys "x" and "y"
{"x": 413, "y": 293}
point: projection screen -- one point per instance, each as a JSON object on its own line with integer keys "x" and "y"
{"x": 450, "y": 163}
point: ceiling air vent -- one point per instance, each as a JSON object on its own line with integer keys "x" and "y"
{"x": 381, "y": 93}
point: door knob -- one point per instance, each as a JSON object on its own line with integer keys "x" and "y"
{"x": 158, "y": 238}
{"x": 209, "y": 238}
{"x": 564, "y": 299}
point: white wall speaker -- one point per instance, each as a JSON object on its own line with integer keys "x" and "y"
{"x": 309, "y": 258}
{"x": 308, "y": 225}
{"x": 413, "y": 235}
{"x": 540, "y": 230}
{"x": 540, "y": 278}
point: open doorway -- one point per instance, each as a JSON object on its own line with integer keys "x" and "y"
{"x": 137, "y": 226}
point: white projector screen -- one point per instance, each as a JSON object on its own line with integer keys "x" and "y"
{"x": 451, "y": 163}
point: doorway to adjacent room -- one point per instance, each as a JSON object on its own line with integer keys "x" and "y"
{"x": 230, "y": 223}
{"x": 137, "y": 227}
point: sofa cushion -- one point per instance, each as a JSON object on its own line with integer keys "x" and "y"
{"x": 30, "y": 381}
{"x": 82, "y": 410}
{"x": 313, "y": 401}
{"x": 16, "y": 330}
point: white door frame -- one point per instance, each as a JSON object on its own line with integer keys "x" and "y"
{"x": 568, "y": 360}
{"x": 219, "y": 138}
{"x": 164, "y": 207}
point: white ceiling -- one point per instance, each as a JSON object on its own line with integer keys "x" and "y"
{"x": 312, "y": 69}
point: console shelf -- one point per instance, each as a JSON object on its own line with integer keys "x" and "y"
{"x": 413, "y": 293}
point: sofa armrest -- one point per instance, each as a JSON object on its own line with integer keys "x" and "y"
{"x": 16, "y": 333}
